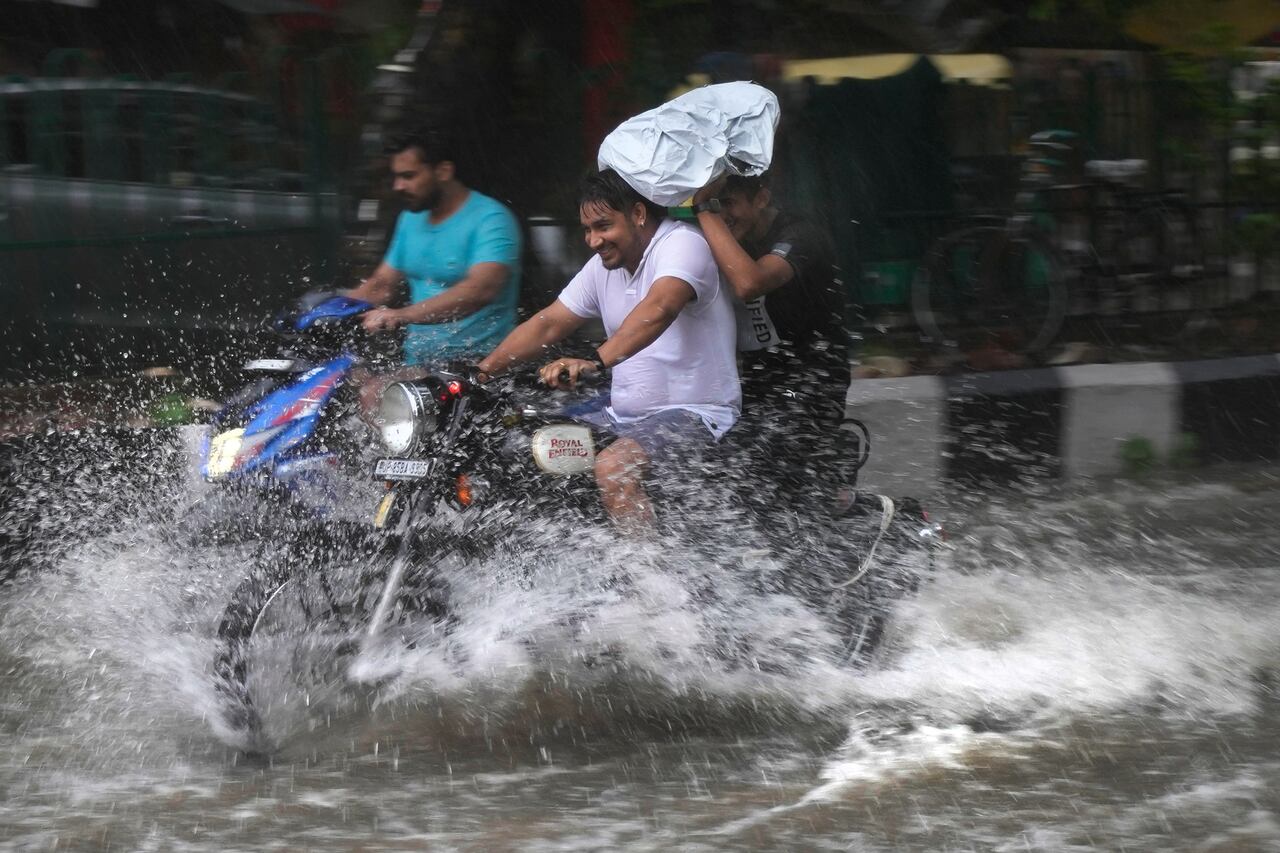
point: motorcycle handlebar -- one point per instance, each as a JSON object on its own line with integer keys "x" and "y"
{"x": 319, "y": 309}
{"x": 586, "y": 377}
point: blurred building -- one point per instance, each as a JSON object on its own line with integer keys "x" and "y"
{"x": 898, "y": 117}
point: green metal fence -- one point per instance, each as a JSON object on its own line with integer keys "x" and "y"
{"x": 129, "y": 203}
{"x": 893, "y": 163}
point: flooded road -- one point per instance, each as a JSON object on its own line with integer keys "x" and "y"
{"x": 1084, "y": 672}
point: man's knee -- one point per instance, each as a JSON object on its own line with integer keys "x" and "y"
{"x": 620, "y": 462}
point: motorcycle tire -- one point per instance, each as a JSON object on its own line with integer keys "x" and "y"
{"x": 240, "y": 620}
{"x": 300, "y": 598}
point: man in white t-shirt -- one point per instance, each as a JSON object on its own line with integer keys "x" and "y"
{"x": 670, "y": 347}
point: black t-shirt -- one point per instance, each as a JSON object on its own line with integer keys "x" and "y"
{"x": 808, "y": 311}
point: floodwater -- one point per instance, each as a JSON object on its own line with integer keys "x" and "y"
{"x": 1083, "y": 672}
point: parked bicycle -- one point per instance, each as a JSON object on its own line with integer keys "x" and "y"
{"x": 1097, "y": 247}
{"x": 1140, "y": 243}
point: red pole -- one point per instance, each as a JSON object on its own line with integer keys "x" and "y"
{"x": 606, "y": 27}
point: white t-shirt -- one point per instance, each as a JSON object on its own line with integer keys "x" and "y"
{"x": 692, "y": 365}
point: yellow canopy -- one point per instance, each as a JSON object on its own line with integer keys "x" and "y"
{"x": 983, "y": 68}
{"x": 987, "y": 69}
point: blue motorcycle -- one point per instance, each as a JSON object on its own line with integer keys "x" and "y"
{"x": 291, "y": 434}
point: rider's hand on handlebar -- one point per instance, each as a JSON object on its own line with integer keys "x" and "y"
{"x": 474, "y": 375}
{"x": 380, "y": 319}
{"x": 565, "y": 372}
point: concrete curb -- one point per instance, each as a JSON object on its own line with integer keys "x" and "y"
{"x": 1064, "y": 423}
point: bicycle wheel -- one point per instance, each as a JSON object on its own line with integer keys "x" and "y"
{"x": 1162, "y": 245}
{"x": 946, "y": 295}
{"x": 1023, "y": 291}
{"x": 1167, "y": 262}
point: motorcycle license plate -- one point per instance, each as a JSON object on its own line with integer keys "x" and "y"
{"x": 401, "y": 469}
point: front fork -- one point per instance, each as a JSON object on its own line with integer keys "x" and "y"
{"x": 399, "y": 527}
{"x": 395, "y": 517}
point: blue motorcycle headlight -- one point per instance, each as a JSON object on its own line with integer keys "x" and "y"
{"x": 407, "y": 414}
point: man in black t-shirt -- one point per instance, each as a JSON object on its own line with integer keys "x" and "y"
{"x": 795, "y": 371}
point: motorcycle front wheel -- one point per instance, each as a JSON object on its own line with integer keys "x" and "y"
{"x": 300, "y": 615}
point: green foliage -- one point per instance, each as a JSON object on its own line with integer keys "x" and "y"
{"x": 1111, "y": 12}
{"x": 1185, "y": 155}
{"x": 1259, "y": 233}
{"x": 1255, "y": 129}
{"x": 1186, "y": 451}
{"x": 1137, "y": 455}
{"x": 1201, "y": 112}
{"x": 1043, "y": 10}
{"x": 171, "y": 410}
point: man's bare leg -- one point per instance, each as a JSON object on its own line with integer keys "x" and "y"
{"x": 619, "y": 470}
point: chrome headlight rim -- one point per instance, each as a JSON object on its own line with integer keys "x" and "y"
{"x": 407, "y": 414}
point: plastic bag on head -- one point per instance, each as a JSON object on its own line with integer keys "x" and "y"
{"x": 670, "y": 152}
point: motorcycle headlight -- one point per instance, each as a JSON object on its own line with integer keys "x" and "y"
{"x": 407, "y": 413}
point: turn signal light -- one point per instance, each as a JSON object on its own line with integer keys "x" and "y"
{"x": 465, "y": 497}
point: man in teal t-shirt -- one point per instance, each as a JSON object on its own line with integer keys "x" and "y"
{"x": 458, "y": 249}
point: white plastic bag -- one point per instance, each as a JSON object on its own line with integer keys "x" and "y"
{"x": 670, "y": 152}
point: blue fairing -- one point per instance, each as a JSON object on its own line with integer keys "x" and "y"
{"x": 333, "y": 308}
{"x": 274, "y": 408}
{"x": 289, "y": 437}
{"x": 293, "y": 411}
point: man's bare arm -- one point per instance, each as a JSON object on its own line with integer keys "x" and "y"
{"x": 528, "y": 340}
{"x": 482, "y": 284}
{"x": 649, "y": 319}
{"x": 379, "y": 287}
{"x": 749, "y": 278}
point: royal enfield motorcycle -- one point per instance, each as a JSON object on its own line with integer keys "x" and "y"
{"x": 471, "y": 468}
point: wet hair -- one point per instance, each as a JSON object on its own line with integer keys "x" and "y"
{"x": 609, "y": 189}
{"x": 432, "y": 146}
{"x": 743, "y": 185}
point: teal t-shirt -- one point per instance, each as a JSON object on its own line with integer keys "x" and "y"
{"x": 435, "y": 257}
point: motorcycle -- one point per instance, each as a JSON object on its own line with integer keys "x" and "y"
{"x": 287, "y": 434}
{"x": 468, "y": 468}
